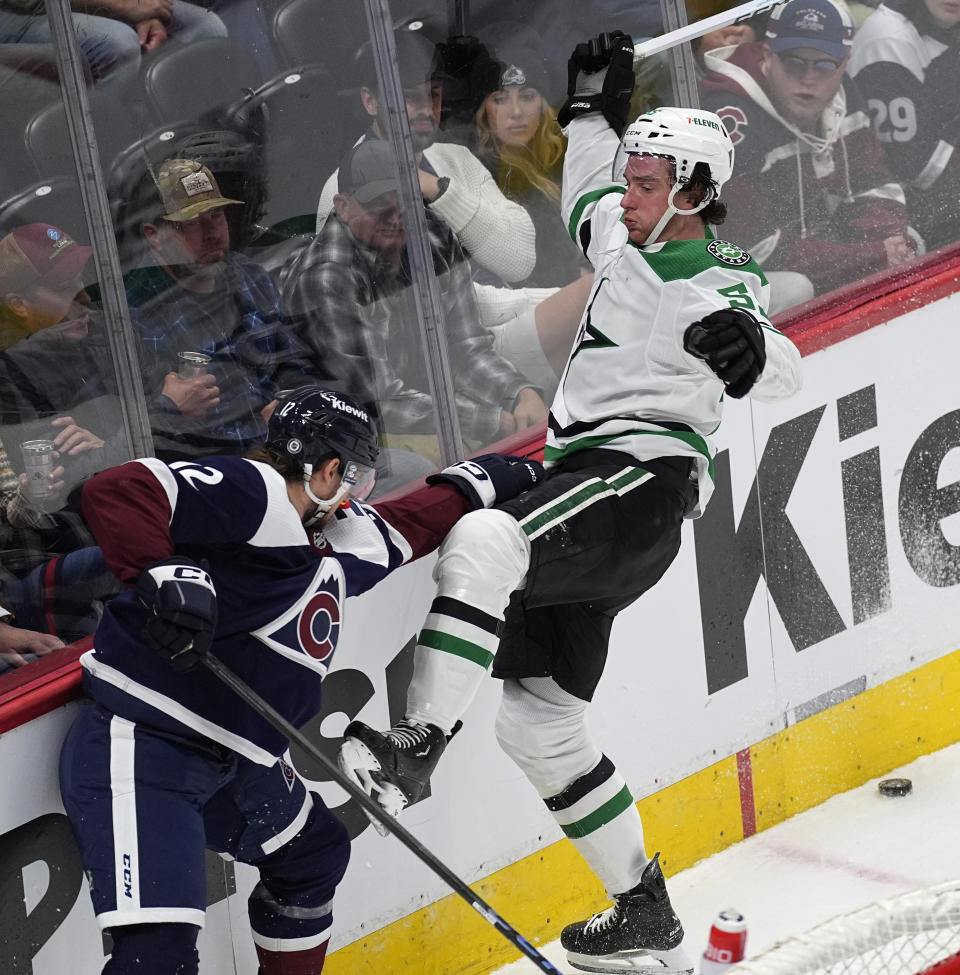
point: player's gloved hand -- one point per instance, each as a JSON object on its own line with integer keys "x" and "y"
{"x": 491, "y": 478}
{"x": 600, "y": 78}
{"x": 183, "y": 601}
{"x": 731, "y": 343}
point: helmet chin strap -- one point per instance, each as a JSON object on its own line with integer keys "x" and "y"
{"x": 323, "y": 505}
{"x": 671, "y": 210}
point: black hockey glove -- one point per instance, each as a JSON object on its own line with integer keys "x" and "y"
{"x": 600, "y": 78}
{"x": 184, "y": 603}
{"x": 731, "y": 343}
{"x": 491, "y": 478}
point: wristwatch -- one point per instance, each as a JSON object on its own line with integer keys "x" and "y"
{"x": 442, "y": 183}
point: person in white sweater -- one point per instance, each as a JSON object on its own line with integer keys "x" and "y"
{"x": 496, "y": 233}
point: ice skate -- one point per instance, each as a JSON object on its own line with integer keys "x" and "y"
{"x": 639, "y": 934}
{"x": 394, "y": 767}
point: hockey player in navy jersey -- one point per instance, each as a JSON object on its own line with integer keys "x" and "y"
{"x": 249, "y": 559}
{"x": 675, "y": 324}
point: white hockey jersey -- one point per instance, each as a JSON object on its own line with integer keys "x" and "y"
{"x": 629, "y": 385}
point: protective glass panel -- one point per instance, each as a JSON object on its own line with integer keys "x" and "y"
{"x": 61, "y": 411}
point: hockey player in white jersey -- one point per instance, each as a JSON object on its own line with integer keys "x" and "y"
{"x": 675, "y": 325}
{"x": 250, "y": 559}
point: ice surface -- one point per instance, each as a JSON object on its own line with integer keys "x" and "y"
{"x": 852, "y": 850}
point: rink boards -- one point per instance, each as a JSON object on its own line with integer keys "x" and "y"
{"x": 804, "y": 641}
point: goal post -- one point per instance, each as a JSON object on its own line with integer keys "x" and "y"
{"x": 917, "y": 933}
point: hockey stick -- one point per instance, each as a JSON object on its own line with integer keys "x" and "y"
{"x": 692, "y": 31}
{"x": 269, "y": 714}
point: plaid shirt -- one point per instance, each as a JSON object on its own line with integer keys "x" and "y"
{"x": 259, "y": 354}
{"x": 357, "y": 313}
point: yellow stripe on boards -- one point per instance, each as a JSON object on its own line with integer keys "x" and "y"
{"x": 544, "y": 891}
{"x": 857, "y": 740}
{"x": 793, "y": 770}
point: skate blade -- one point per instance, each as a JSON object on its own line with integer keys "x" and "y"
{"x": 360, "y": 765}
{"x": 672, "y": 962}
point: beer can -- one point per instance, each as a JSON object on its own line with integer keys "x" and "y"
{"x": 38, "y": 462}
{"x": 726, "y": 944}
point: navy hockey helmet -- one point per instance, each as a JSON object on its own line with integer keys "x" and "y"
{"x": 312, "y": 422}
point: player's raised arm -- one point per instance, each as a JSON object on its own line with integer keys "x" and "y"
{"x": 600, "y": 80}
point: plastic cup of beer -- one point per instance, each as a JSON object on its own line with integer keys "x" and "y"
{"x": 192, "y": 364}
{"x": 38, "y": 462}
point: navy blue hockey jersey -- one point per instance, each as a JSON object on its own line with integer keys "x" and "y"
{"x": 280, "y": 597}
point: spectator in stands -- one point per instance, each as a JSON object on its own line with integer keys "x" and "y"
{"x": 813, "y": 199}
{"x": 40, "y": 283}
{"x": 53, "y": 579}
{"x": 113, "y": 33}
{"x": 497, "y": 234}
{"x": 55, "y": 381}
{"x": 519, "y": 141}
{"x": 199, "y": 296}
{"x": 19, "y": 646}
{"x": 728, "y": 36}
{"x": 350, "y": 291}
{"x": 907, "y": 59}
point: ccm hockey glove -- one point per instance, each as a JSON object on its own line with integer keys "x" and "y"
{"x": 600, "y": 78}
{"x": 731, "y": 343}
{"x": 184, "y": 603}
{"x": 491, "y": 478}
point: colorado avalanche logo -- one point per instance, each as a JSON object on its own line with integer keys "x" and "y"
{"x": 735, "y": 121}
{"x": 289, "y": 775}
{"x": 309, "y": 630}
{"x": 513, "y": 76}
{"x": 319, "y": 625}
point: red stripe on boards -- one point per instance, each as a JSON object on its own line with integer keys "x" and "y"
{"x": 748, "y": 816}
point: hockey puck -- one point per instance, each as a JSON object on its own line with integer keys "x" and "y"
{"x": 895, "y": 787}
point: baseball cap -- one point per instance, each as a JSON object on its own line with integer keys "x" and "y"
{"x": 39, "y": 252}
{"x": 817, "y": 24}
{"x": 368, "y": 170}
{"x": 418, "y": 60}
{"x": 188, "y": 189}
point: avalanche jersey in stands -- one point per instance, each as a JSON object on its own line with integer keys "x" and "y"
{"x": 280, "y": 599}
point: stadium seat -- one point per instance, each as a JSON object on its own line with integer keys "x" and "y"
{"x": 56, "y": 201}
{"x": 197, "y": 79}
{"x": 47, "y": 137}
{"x": 302, "y": 140}
{"x": 302, "y": 37}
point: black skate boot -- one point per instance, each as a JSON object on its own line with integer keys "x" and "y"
{"x": 396, "y": 764}
{"x": 639, "y": 934}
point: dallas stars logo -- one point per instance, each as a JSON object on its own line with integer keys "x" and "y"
{"x": 728, "y": 253}
{"x": 590, "y": 336}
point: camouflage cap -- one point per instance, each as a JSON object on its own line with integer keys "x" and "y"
{"x": 188, "y": 189}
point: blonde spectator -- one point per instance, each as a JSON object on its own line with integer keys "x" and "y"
{"x": 519, "y": 141}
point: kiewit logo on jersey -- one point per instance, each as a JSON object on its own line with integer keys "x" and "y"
{"x": 729, "y": 253}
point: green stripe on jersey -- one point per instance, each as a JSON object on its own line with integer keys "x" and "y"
{"x": 455, "y": 645}
{"x": 580, "y": 497}
{"x": 600, "y": 817}
{"x": 584, "y": 202}
{"x": 553, "y": 454}
{"x": 681, "y": 259}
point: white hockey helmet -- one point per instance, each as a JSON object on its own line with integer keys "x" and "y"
{"x": 686, "y": 136}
